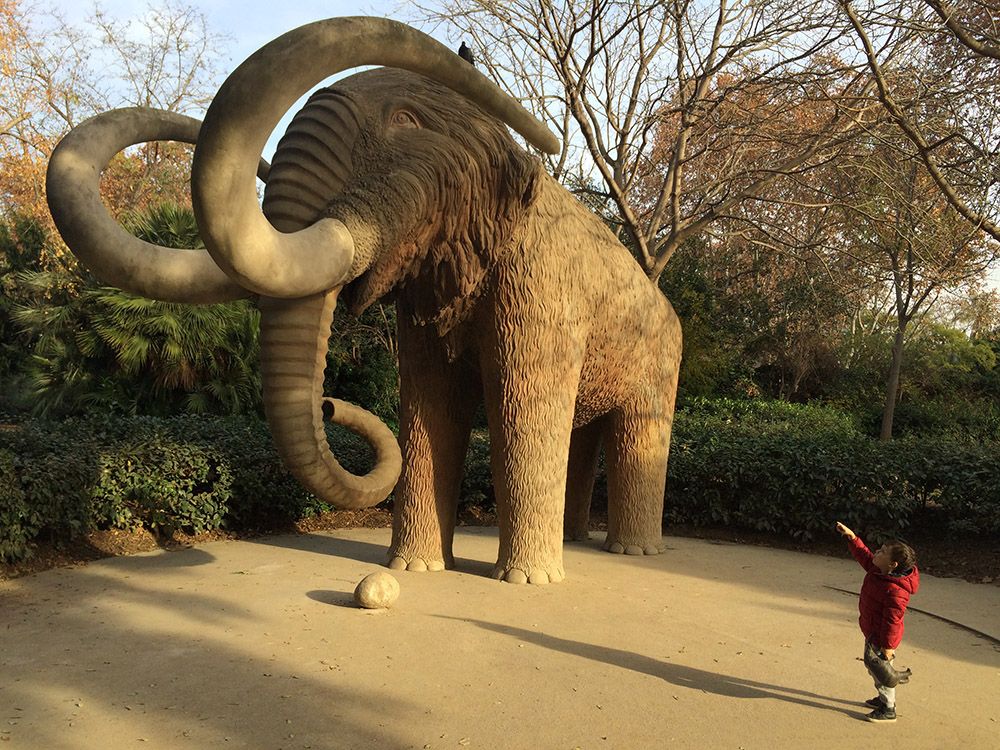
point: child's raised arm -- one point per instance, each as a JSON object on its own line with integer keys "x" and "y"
{"x": 845, "y": 531}
{"x": 859, "y": 551}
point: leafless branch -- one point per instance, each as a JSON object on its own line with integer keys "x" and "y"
{"x": 913, "y": 131}
{"x": 949, "y": 16}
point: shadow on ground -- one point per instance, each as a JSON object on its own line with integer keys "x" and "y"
{"x": 675, "y": 674}
{"x": 122, "y": 657}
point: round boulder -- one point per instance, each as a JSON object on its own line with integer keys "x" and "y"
{"x": 377, "y": 591}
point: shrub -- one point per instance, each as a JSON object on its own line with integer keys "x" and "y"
{"x": 185, "y": 473}
{"x": 979, "y": 417}
{"x": 781, "y": 415}
{"x": 779, "y": 468}
{"x": 15, "y": 530}
{"x": 778, "y": 478}
{"x": 793, "y": 470}
{"x": 955, "y": 482}
{"x": 477, "y": 482}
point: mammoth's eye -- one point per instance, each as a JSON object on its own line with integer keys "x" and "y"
{"x": 403, "y": 119}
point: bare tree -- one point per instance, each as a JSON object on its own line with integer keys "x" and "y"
{"x": 56, "y": 74}
{"x": 957, "y": 101}
{"x": 975, "y": 25}
{"x": 640, "y": 87}
{"x": 164, "y": 59}
{"x": 901, "y": 226}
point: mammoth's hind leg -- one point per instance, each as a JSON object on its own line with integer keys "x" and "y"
{"x": 437, "y": 400}
{"x": 584, "y": 450}
{"x": 636, "y": 448}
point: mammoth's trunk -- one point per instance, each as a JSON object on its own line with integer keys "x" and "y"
{"x": 294, "y": 338}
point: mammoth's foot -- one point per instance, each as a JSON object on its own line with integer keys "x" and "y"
{"x": 403, "y": 560}
{"x": 528, "y": 573}
{"x": 633, "y": 547}
{"x": 575, "y": 535}
{"x": 415, "y": 564}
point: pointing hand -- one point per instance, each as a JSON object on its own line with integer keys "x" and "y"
{"x": 845, "y": 531}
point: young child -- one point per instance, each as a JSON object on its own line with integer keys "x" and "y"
{"x": 891, "y": 578}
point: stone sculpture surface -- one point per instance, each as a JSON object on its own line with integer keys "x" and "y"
{"x": 402, "y": 183}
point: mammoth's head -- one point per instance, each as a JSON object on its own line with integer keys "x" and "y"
{"x": 426, "y": 183}
{"x": 310, "y": 254}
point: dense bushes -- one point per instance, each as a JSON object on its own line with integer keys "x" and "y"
{"x": 776, "y": 467}
{"x": 189, "y": 473}
{"x": 70, "y": 346}
{"x": 15, "y": 524}
{"x": 477, "y": 483}
{"x": 746, "y": 466}
{"x": 92, "y": 348}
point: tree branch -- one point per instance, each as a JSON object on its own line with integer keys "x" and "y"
{"x": 913, "y": 132}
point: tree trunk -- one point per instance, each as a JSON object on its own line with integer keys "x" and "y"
{"x": 892, "y": 387}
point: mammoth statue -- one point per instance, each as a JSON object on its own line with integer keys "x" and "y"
{"x": 403, "y": 183}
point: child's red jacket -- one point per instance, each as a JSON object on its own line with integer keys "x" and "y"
{"x": 884, "y": 598}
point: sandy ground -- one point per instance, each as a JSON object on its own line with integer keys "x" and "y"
{"x": 256, "y": 644}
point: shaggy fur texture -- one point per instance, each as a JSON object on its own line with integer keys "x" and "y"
{"x": 509, "y": 291}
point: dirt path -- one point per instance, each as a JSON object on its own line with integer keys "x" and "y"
{"x": 254, "y": 644}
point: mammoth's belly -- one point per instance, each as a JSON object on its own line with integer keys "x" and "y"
{"x": 610, "y": 381}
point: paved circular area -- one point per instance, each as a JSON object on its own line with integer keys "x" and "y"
{"x": 257, "y": 644}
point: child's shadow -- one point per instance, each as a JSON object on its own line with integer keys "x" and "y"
{"x": 675, "y": 674}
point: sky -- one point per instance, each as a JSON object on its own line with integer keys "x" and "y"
{"x": 249, "y": 23}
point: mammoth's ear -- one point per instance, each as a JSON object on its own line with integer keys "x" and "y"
{"x": 521, "y": 179}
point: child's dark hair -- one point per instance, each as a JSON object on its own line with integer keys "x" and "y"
{"x": 901, "y": 553}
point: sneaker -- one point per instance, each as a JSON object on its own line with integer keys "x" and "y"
{"x": 882, "y": 715}
{"x": 875, "y": 702}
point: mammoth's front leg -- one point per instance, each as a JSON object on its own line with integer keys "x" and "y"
{"x": 530, "y": 393}
{"x": 437, "y": 400}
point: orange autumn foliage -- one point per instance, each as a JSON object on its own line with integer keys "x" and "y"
{"x": 44, "y": 94}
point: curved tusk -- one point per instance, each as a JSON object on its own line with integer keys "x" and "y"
{"x": 115, "y": 256}
{"x": 253, "y": 100}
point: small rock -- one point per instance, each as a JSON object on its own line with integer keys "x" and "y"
{"x": 377, "y": 591}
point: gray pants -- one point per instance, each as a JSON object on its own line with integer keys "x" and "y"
{"x": 888, "y": 694}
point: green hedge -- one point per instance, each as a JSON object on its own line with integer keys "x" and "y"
{"x": 796, "y": 477}
{"x": 15, "y": 527}
{"x": 58, "y": 479}
{"x": 779, "y": 468}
